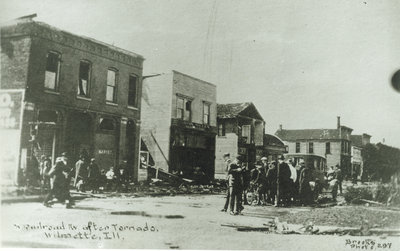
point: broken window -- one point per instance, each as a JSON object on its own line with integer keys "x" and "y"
{"x": 206, "y": 113}
{"x": 246, "y": 133}
{"x": 111, "y": 85}
{"x": 84, "y": 79}
{"x": 221, "y": 129}
{"x": 179, "y": 108}
{"x": 183, "y": 108}
{"x": 188, "y": 110}
{"x": 132, "y": 91}
{"x": 106, "y": 124}
{"x": 52, "y": 71}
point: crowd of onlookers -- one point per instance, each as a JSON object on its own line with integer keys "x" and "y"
{"x": 85, "y": 175}
{"x": 277, "y": 183}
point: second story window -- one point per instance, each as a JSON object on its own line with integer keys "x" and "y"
{"x": 327, "y": 147}
{"x": 221, "y": 129}
{"x": 311, "y": 147}
{"x": 132, "y": 94}
{"x": 206, "y": 113}
{"x": 297, "y": 147}
{"x": 52, "y": 71}
{"x": 246, "y": 133}
{"x": 183, "y": 108}
{"x": 84, "y": 79}
{"x": 111, "y": 86}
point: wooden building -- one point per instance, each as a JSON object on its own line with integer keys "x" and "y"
{"x": 240, "y": 131}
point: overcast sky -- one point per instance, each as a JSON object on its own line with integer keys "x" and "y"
{"x": 302, "y": 63}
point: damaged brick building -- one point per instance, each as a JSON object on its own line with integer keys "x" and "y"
{"x": 81, "y": 95}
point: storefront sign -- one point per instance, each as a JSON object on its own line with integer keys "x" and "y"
{"x": 11, "y": 105}
{"x": 102, "y": 151}
{"x": 10, "y": 109}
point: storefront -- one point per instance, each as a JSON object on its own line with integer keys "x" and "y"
{"x": 192, "y": 150}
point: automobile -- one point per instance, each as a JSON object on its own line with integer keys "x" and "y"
{"x": 322, "y": 182}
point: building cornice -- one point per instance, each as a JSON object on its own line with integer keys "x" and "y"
{"x": 44, "y": 31}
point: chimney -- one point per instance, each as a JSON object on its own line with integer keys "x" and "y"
{"x": 338, "y": 122}
{"x": 280, "y": 127}
{"x": 383, "y": 140}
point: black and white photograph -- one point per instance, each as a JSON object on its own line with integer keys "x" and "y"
{"x": 200, "y": 124}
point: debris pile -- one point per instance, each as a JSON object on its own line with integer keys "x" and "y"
{"x": 377, "y": 194}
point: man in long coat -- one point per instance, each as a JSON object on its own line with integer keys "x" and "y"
{"x": 81, "y": 167}
{"x": 284, "y": 183}
{"x": 306, "y": 195}
{"x": 271, "y": 182}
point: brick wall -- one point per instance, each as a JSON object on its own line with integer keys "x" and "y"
{"x": 42, "y": 39}
{"x": 14, "y": 62}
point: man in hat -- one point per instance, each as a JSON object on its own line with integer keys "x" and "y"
{"x": 234, "y": 181}
{"x": 283, "y": 182}
{"x": 339, "y": 177}
{"x": 228, "y": 161}
{"x": 261, "y": 181}
{"x": 271, "y": 179}
{"x": 45, "y": 167}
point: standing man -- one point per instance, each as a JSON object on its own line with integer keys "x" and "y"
{"x": 228, "y": 161}
{"x": 306, "y": 196}
{"x": 80, "y": 173}
{"x": 339, "y": 177}
{"x": 234, "y": 181}
{"x": 68, "y": 171}
{"x": 272, "y": 177}
{"x": 93, "y": 176}
{"x": 45, "y": 167}
{"x": 283, "y": 182}
{"x": 261, "y": 181}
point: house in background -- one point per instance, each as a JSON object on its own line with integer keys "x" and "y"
{"x": 81, "y": 95}
{"x": 179, "y": 123}
{"x": 358, "y": 142}
{"x": 332, "y": 144}
{"x": 240, "y": 131}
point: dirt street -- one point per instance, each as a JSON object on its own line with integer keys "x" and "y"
{"x": 178, "y": 222}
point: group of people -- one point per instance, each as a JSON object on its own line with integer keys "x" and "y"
{"x": 276, "y": 183}
{"x": 58, "y": 178}
{"x": 86, "y": 175}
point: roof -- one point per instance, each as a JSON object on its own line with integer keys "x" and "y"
{"x": 236, "y": 109}
{"x": 315, "y": 134}
{"x": 272, "y": 140}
